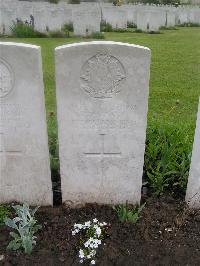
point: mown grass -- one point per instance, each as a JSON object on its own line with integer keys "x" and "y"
{"x": 174, "y": 83}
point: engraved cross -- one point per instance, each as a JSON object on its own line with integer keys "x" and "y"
{"x": 102, "y": 153}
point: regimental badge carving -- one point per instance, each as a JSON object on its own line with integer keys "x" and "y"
{"x": 102, "y": 76}
{"x": 6, "y": 79}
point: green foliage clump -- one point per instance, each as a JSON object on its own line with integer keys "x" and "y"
{"x": 4, "y": 213}
{"x": 26, "y": 226}
{"x": 127, "y": 213}
{"x": 74, "y": 1}
{"x": 97, "y": 35}
{"x": 68, "y": 27}
{"x": 106, "y": 27}
{"x": 23, "y": 30}
{"x": 189, "y": 24}
{"x": 168, "y": 28}
{"x": 131, "y": 25}
{"x": 138, "y": 31}
{"x": 167, "y": 160}
{"x": 53, "y": 1}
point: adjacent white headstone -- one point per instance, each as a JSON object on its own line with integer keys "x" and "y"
{"x": 24, "y": 159}
{"x": 171, "y": 19}
{"x": 86, "y": 21}
{"x": 193, "y": 187}
{"x": 102, "y": 98}
{"x": 115, "y": 16}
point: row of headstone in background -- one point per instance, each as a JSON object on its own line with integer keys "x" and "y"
{"x": 87, "y": 17}
{"x": 102, "y": 99}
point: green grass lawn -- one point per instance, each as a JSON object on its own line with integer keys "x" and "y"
{"x": 175, "y": 73}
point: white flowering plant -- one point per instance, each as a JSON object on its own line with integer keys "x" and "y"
{"x": 92, "y": 234}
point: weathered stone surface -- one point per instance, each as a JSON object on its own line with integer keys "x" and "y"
{"x": 193, "y": 187}
{"x": 115, "y": 16}
{"x": 86, "y": 21}
{"x": 24, "y": 159}
{"x": 102, "y": 98}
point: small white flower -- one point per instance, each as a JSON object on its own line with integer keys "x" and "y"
{"x": 81, "y": 254}
{"x": 95, "y": 220}
{"x": 78, "y": 226}
{"x": 87, "y": 224}
{"x": 93, "y": 262}
{"x": 86, "y": 244}
{"x": 98, "y": 231}
{"x": 93, "y": 253}
{"x": 104, "y": 223}
{"x": 81, "y": 261}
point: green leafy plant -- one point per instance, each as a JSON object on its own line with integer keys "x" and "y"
{"x": 74, "y": 1}
{"x": 167, "y": 160}
{"x": 127, "y": 213}
{"x": 26, "y": 226}
{"x": 189, "y": 24}
{"x": 138, "y": 31}
{"x": 97, "y": 35}
{"x": 4, "y": 212}
{"x": 53, "y": 1}
{"x": 131, "y": 25}
{"x": 68, "y": 27}
{"x": 106, "y": 27}
{"x": 23, "y": 30}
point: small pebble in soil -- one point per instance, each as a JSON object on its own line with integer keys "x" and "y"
{"x": 2, "y": 257}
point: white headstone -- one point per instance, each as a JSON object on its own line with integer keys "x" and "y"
{"x": 171, "y": 19}
{"x": 150, "y": 20}
{"x": 193, "y": 187}
{"x": 102, "y": 98}
{"x": 115, "y": 16}
{"x": 24, "y": 158}
{"x": 86, "y": 21}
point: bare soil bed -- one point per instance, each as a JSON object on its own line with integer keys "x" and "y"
{"x": 166, "y": 234}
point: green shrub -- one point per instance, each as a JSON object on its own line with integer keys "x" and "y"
{"x": 97, "y": 35}
{"x": 138, "y": 31}
{"x": 189, "y": 24}
{"x": 106, "y": 27}
{"x": 154, "y": 32}
{"x": 167, "y": 160}
{"x": 127, "y": 213}
{"x": 74, "y": 1}
{"x": 168, "y": 28}
{"x": 131, "y": 25}
{"x": 53, "y": 1}
{"x": 68, "y": 27}
{"x": 23, "y": 30}
{"x": 4, "y": 213}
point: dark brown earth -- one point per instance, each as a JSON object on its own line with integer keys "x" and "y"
{"x": 166, "y": 234}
